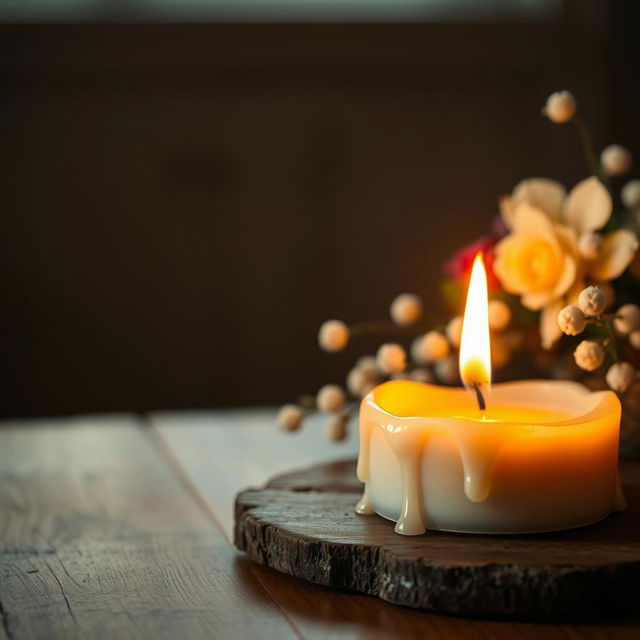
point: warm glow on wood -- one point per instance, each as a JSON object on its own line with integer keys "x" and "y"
{"x": 475, "y": 347}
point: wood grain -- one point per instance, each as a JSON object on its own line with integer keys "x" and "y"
{"x": 205, "y": 443}
{"x": 304, "y": 524}
{"x": 99, "y": 539}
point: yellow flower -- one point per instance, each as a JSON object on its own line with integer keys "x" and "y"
{"x": 539, "y": 259}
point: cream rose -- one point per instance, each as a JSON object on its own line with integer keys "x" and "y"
{"x": 539, "y": 259}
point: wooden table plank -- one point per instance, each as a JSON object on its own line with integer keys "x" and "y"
{"x": 222, "y": 452}
{"x": 245, "y": 448}
{"x": 98, "y": 538}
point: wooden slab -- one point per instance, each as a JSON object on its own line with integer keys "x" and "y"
{"x": 303, "y": 524}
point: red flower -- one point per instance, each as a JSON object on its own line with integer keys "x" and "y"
{"x": 458, "y": 267}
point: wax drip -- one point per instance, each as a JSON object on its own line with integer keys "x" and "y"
{"x": 364, "y": 506}
{"x": 410, "y": 521}
{"x": 478, "y": 454}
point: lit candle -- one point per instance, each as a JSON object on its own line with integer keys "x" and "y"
{"x": 520, "y": 457}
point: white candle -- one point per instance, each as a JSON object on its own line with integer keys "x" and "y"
{"x": 545, "y": 457}
{"x": 542, "y": 456}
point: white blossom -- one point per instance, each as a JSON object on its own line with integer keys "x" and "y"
{"x": 369, "y": 366}
{"x": 571, "y": 320}
{"x": 331, "y": 398}
{"x": 333, "y": 335}
{"x": 627, "y": 319}
{"x": 589, "y": 355}
{"x": 616, "y": 160}
{"x": 289, "y": 417}
{"x": 360, "y": 382}
{"x": 592, "y": 301}
{"x": 620, "y": 376}
{"x": 560, "y": 107}
{"x": 391, "y": 358}
{"x": 431, "y": 347}
{"x": 406, "y": 309}
{"x": 630, "y": 194}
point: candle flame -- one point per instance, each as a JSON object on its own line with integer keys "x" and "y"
{"x": 475, "y": 348}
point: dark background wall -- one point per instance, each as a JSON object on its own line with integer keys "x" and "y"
{"x": 181, "y": 205}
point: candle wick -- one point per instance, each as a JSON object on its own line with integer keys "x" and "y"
{"x": 481, "y": 403}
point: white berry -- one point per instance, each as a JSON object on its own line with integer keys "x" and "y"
{"x": 331, "y": 398}
{"x": 616, "y": 160}
{"x": 630, "y": 194}
{"x": 592, "y": 301}
{"x": 634, "y": 339}
{"x": 406, "y": 309}
{"x": 571, "y": 320}
{"x": 589, "y": 355}
{"x": 289, "y": 417}
{"x": 620, "y": 376}
{"x": 560, "y": 107}
{"x": 627, "y": 319}
{"x": 333, "y": 335}
{"x": 391, "y": 358}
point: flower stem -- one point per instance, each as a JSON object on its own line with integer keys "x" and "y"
{"x": 588, "y": 148}
{"x": 386, "y": 326}
{"x": 611, "y": 341}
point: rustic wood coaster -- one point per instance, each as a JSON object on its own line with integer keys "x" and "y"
{"x": 303, "y": 524}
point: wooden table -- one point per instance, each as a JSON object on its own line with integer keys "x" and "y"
{"x": 119, "y": 526}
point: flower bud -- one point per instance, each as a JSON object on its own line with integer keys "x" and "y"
{"x": 331, "y": 399}
{"x": 360, "y": 382}
{"x": 634, "y": 339}
{"x": 391, "y": 358}
{"x": 616, "y": 160}
{"x": 560, "y": 107}
{"x": 630, "y": 194}
{"x": 592, "y": 301}
{"x": 589, "y": 245}
{"x": 433, "y": 346}
{"x": 406, "y": 309}
{"x": 499, "y": 315}
{"x": 333, "y": 335}
{"x": 571, "y": 320}
{"x": 620, "y": 376}
{"x": 589, "y": 355}
{"x": 336, "y": 429}
{"x": 454, "y": 331}
{"x": 289, "y": 417}
{"x": 627, "y": 319}
{"x": 369, "y": 366}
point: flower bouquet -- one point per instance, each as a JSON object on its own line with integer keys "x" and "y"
{"x": 564, "y": 282}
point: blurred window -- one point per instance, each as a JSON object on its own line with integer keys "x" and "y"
{"x": 280, "y": 10}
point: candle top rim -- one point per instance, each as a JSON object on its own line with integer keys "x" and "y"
{"x": 581, "y": 406}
